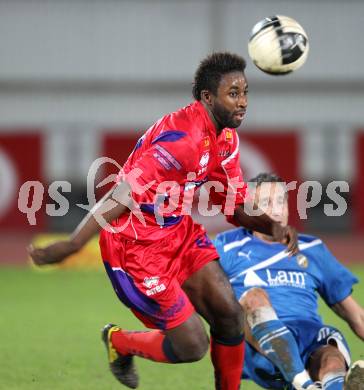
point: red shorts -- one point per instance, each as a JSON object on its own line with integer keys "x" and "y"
{"x": 147, "y": 276}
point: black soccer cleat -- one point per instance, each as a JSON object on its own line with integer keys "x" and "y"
{"x": 122, "y": 367}
{"x": 355, "y": 377}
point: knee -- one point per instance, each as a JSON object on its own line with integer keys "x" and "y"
{"x": 229, "y": 323}
{"x": 253, "y": 299}
{"x": 199, "y": 350}
{"x": 332, "y": 360}
{"x": 326, "y": 360}
{"x": 194, "y": 349}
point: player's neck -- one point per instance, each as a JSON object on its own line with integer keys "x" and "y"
{"x": 264, "y": 237}
{"x": 217, "y": 125}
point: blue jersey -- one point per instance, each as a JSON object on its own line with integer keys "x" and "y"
{"x": 293, "y": 283}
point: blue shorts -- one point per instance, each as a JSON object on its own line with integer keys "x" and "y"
{"x": 309, "y": 336}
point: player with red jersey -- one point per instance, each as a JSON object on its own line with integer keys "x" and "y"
{"x": 161, "y": 263}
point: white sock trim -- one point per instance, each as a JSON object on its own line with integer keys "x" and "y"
{"x": 261, "y": 315}
{"x": 272, "y": 336}
{"x": 332, "y": 377}
{"x": 300, "y": 379}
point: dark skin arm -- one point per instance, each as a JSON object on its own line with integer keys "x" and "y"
{"x": 116, "y": 202}
{"x": 286, "y": 235}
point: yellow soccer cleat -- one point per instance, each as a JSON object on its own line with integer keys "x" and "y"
{"x": 122, "y": 367}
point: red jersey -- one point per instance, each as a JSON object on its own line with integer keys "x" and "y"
{"x": 179, "y": 153}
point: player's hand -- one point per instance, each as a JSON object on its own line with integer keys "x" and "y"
{"x": 51, "y": 254}
{"x": 286, "y": 235}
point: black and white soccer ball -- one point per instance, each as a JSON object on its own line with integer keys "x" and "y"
{"x": 278, "y": 45}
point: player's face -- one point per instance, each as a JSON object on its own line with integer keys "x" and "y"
{"x": 230, "y": 103}
{"x": 272, "y": 199}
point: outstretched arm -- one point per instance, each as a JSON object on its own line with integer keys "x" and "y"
{"x": 350, "y": 311}
{"x": 111, "y": 206}
{"x": 246, "y": 216}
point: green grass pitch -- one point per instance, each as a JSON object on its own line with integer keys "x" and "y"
{"x": 50, "y": 339}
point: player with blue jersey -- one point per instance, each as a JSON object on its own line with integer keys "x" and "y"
{"x": 288, "y": 346}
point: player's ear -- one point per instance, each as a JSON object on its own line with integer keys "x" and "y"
{"x": 206, "y": 97}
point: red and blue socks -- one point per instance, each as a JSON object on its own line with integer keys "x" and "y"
{"x": 152, "y": 345}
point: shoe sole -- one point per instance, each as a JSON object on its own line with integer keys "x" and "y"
{"x": 355, "y": 377}
{"x": 122, "y": 367}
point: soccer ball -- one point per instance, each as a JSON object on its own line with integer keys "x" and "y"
{"x": 278, "y": 45}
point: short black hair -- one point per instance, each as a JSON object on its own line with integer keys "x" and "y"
{"x": 266, "y": 177}
{"x": 212, "y": 68}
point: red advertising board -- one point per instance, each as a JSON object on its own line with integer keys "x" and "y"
{"x": 358, "y": 192}
{"x": 20, "y": 161}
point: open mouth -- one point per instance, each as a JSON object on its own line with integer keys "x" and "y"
{"x": 240, "y": 114}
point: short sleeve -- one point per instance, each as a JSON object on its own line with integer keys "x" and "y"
{"x": 336, "y": 280}
{"x": 226, "y": 258}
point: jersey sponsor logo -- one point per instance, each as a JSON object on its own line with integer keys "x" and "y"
{"x": 224, "y": 153}
{"x": 271, "y": 260}
{"x": 302, "y": 260}
{"x": 229, "y": 136}
{"x": 156, "y": 289}
{"x": 275, "y": 279}
{"x": 151, "y": 281}
{"x": 253, "y": 280}
{"x": 243, "y": 254}
{"x": 153, "y": 286}
{"x": 286, "y": 278}
{"x": 206, "y": 143}
{"x": 203, "y": 163}
{"x": 204, "y": 159}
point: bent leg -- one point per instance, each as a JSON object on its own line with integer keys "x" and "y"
{"x": 187, "y": 342}
{"x": 268, "y": 335}
{"x": 156, "y": 298}
{"x": 212, "y": 295}
{"x": 327, "y": 365}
